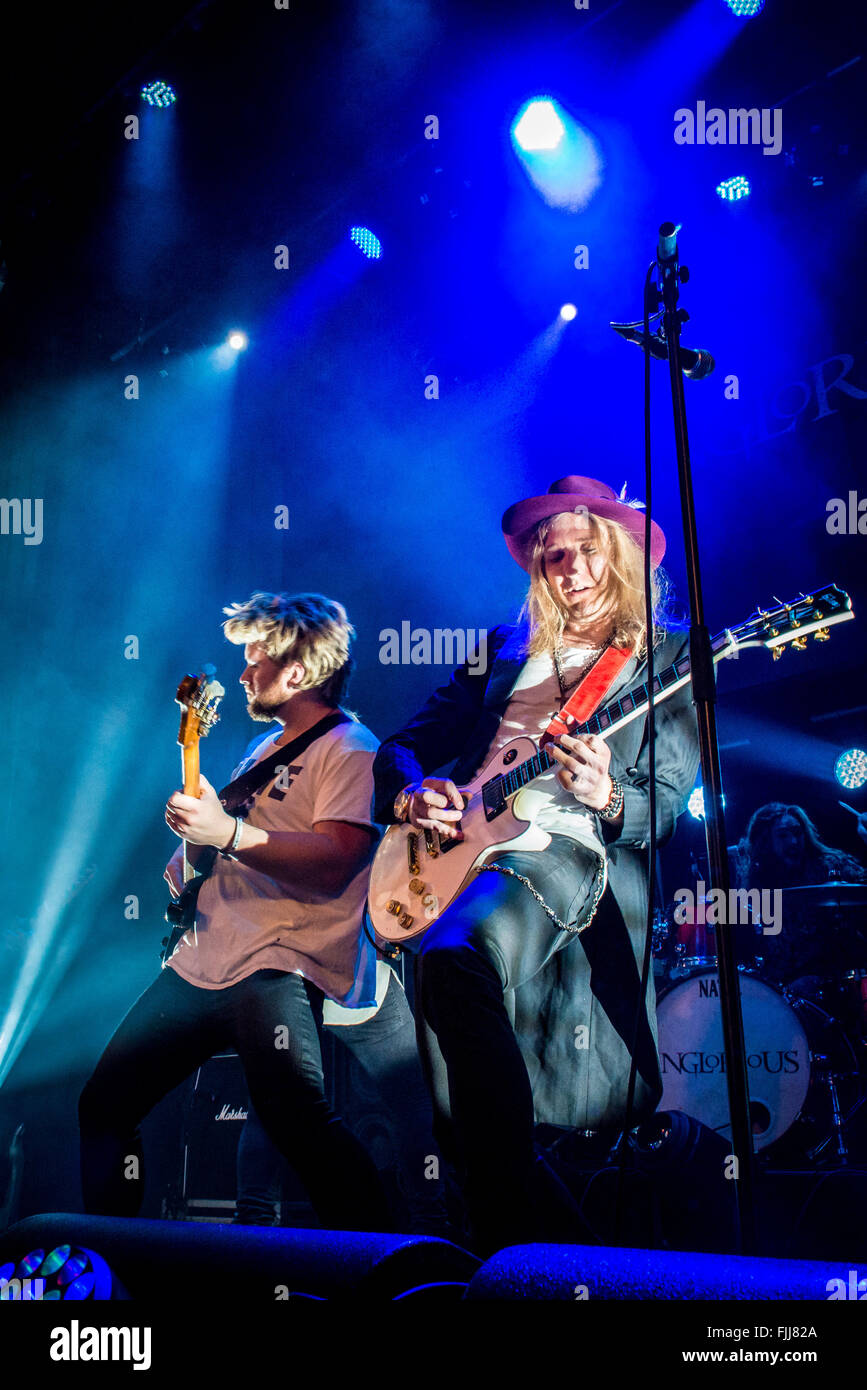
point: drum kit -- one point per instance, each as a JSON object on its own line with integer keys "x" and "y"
{"x": 804, "y": 1002}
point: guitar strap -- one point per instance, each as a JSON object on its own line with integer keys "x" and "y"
{"x": 589, "y": 693}
{"x": 584, "y": 701}
{"x": 181, "y": 915}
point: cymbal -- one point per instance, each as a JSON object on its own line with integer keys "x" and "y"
{"x": 826, "y": 895}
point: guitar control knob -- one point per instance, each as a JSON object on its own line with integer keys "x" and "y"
{"x": 405, "y": 920}
{"x": 416, "y": 885}
{"x": 428, "y": 900}
{"x": 394, "y": 907}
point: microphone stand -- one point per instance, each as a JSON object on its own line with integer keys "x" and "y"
{"x": 704, "y": 699}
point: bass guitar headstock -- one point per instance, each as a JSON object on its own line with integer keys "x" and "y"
{"x": 199, "y": 697}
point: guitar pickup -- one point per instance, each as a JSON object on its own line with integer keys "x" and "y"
{"x": 493, "y": 798}
{"x": 453, "y": 841}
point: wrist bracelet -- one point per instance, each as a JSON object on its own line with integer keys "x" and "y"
{"x": 614, "y": 805}
{"x": 228, "y": 852}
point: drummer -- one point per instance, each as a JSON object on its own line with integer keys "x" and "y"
{"x": 781, "y": 849}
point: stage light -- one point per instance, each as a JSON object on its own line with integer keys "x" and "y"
{"x": 158, "y": 94}
{"x": 850, "y": 769}
{"x": 695, "y": 805}
{"x": 70, "y": 1273}
{"x": 237, "y": 340}
{"x": 732, "y": 190}
{"x": 568, "y": 312}
{"x": 367, "y": 242}
{"x": 745, "y": 9}
{"x": 560, "y": 158}
{"x": 539, "y": 126}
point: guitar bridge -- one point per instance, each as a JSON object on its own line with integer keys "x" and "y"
{"x": 412, "y": 855}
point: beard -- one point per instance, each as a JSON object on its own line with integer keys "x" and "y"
{"x": 263, "y": 709}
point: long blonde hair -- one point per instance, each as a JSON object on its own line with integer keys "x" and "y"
{"x": 623, "y": 592}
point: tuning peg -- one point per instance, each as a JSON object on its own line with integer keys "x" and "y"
{"x": 776, "y": 653}
{"x": 822, "y": 634}
{"x": 800, "y": 644}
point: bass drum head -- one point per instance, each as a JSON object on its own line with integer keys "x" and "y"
{"x": 692, "y": 1058}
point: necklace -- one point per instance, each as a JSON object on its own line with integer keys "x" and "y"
{"x": 593, "y": 655}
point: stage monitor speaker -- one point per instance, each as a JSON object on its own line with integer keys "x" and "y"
{"x": 594, "y": 1273}
{"x": 187, "y": 1262}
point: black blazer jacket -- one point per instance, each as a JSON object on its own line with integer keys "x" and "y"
{"x": 574, "y": 1020}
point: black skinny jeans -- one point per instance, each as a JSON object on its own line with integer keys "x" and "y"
{"x": 271, "y": 1019}
{"x": 384, "y": 1046}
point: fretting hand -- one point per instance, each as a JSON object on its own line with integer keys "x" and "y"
{"x": 584, "y": 767}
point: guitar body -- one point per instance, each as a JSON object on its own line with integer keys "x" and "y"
{"x": 444, "y": 868}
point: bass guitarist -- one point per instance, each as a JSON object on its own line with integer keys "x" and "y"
{"x": 537, "y": 963}
{"x": 277, "y": 929}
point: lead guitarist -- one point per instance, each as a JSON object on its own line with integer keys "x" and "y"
{"x": 277, "y": 930}
{"x": 529, "y": 982}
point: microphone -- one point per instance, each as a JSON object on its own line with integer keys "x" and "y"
{"x": 666, "y": 246}
{"x": 697, "y": 363}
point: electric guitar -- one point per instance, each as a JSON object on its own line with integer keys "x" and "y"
{"x": 415, "y": 875}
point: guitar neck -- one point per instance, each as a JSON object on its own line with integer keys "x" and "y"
{"x": 620, "y": 712}
{"x": 192, "y": 787}
{"x": 190, "y": 760}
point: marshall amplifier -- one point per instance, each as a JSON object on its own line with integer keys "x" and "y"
{"x": 215, "y": 1108}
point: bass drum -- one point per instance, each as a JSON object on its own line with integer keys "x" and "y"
{"x": 781, "y": 1037}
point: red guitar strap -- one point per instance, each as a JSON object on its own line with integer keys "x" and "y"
{"x": 589, "y": 692}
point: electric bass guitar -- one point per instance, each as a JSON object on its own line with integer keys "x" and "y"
{"x": 199, "y": 697}
{"x": 416, "y": 875}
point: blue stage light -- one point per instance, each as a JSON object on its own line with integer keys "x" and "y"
{"x": 732, "y": 190}
{"x": 745, "y": 9}
{"x": 67, "y": 1272}
{"x": 237, "y": 340}
{"x": 367, "y": 242}
{"x": 560, "y": 158}
{"x": 538, "y": 126}
{"x": 850, "y": 769}
{"x": 158, "y": 94}
{"x": 695, "y": 805}
{"x": 568, "y": 312}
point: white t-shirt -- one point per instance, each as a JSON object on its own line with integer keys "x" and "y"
{"x": 247, "y": 921}
{"x": 534, "y": 701}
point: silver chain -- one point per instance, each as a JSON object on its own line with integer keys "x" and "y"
{"x": 598, "y": 889}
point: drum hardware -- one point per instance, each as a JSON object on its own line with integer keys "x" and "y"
{"x": 832, "y": 895}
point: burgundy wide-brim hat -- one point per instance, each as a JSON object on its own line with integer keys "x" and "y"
{"x": 575, "y": 494}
